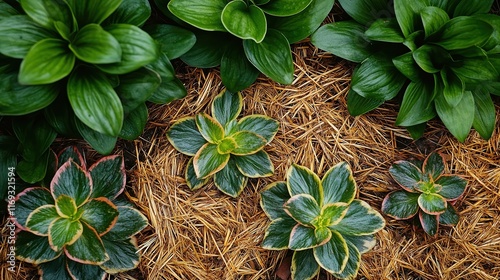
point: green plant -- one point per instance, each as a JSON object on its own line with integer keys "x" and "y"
{"x": 228, "y": 150}
{"x": 443, "y": 56}
{"x": 426, "y": 191}
{"x": 79, "y": 228}
{"x": 321, "y": 220}
{"x": 247, "y": 37}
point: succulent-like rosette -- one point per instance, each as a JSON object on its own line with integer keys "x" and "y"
{"x": 79, "y": 228}
{"x": 426, "y": 191}
{"x": 321, "y": 220}
{"x": 229, "y": 150}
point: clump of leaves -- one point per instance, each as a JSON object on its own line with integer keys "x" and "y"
{"x": 79, "y": 228}
{"x": 222, "y": 147}
{"x": 426, "y": 191}
{"x": 257, "y": 35}
{"x": 321, "y": 220}
{"x": 442, "y": 56}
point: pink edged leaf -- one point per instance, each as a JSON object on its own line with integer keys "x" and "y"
{"x": 88, "y": 249}
{"x": 433, "y": 165}
{"x": 29, "y": 200}
{"x": 400, "y": 204}
{"x": 34, "y": 249}
{"x": 302, "y": 208}
{"x": 360, "y": 219}
{"x": 452, "y": 186}
{"x": 108, "y": 177}
{"x": 301, "y": 180}
{"x": 123, "y": 255}
{"x": 68, "y": 153}
{"x": 84, "y": 271}
{"x": 130, "y": 222}
{"x": 208, "y": 161}
{"x": 39, "y": 220}
{"x": 55, "y": 269}
{"x": 277, "y": 234}
{"x": 333, "y": 255}
{"x": 65, "y": 206}
{"x": 430, "y": 223}
{"x": 302, "y": 237}
{"x": 209, "y": 128}
{"x": 100, "y": 214}
{"x": 449, "y": 217}
{"x": 432, "y": 204}
{"x": 406, "y": 174}
{"x": 71, "y": 180}
{"x": 304, "y": 265}
{"x": 272, "y": 199}
{"x": 353, "y": 263}
{"x": 64, "y": 232}
{"x": 338, "y": 184}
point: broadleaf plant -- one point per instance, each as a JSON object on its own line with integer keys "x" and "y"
{"x": 320, "y": 220}
{"x": 256, "y": 35}
{"x": 441, "y": 56}
{"x": 80, "y": 227}
{"x": 426, "y": 192}
{"x": 223, "y": 148}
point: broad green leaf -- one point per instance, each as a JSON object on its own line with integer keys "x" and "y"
{"x": 29, "y": 200}
{"x": 414, "y": 40}
{"x": 303, "y": 208}
{"x": 70, "y": 153}
{"x": 468, "y": 8}
{"x": 272, "y": 199}
{"x": 433, "y": 19}
{"x": 19, "y": 34}
{"x": 407, "y": 66}
{"x": 34, "y": 249}
{"x": 207, "y": 52}
{"x": 33, "y": 171}
{"x": 452, "y": 186}
{"x": 99, "y": 213}
{"x": 209, "y": 128}
{"x": 358, "y": 105}
{"x": 416, "y": 131}
{"x": 88, "y": 249}
{"x": 462, "y": 32}
{"x": 93, "y": 44}
{"x": 83, "y": 271}
{"x": 259, "y": 124}
{"x": 136, "y": 87}
{"x": 46, "y": 12}
{"x": 272, "y": 56}
{"x": 484, "y": 114}
{"x": 363, "y": 243}
{"x": 237, "y": 73}
{"x": 353, "y": 263}
{"x": 185, "y": 136}
{"x": 226, "y": 145}
{"x": 406, "y": 174}
{"x": 55, "y": 269}
{"x": 407, "y": 14}
{"x": 134, "y": 123}
{"x": 431, "y": 203}
{"x": 123, "y": 255}
{"x": 433, "y": 165}
{"x": 303, "y": 238}
{"x": 331, "y": 214}
{"x": 333, "y": 255}
{"x": 338, "y": 184}
{"x": 35, "y": 136}
{"x": 304, "y": 266}
{"x": 345, "y": 39}
{"x": 255, "y": 165}
{"x": 247, "y": 143}
{"x": 230, "y": 180}
{"x": 61, "y": 117}
{"x": 92, "y": 11}
{"x": 365, "y": 11}
{"x": 431, "y": 58}
{"x": 450, "y": 216}
{"x": 168, "y": 91}
{"x": 65, "y": 206}
{"x": 400, "y": 204}
{"x": 39, "y": 220}
{"x": 192, "y": 181}
{"x": 174, "y": 41}
{"x": 458, "y": 120}
{"x": 284, "y": 8}
{"x": 202, "y": 14}
{"x": 130, "y": 222}
{"x": 385, "y": 30}
{"x": 244, "y": 21}
{"x": 360, "y": 219}
{"x": 7, "y": 10}
{"x": 226, "y": 106}
{"x": 301, "y": 180}
{"x": 475, "y": 69}
{"x": 138, "y": 49}
{"x": 94, "y": 101}
{"x": 48, "y": 61}
{"x": 415, "y": 107}
{"x": 430, "y": 223}
{"x": 277, "y": 234}
{"x": 64, "y": 232}
{"x": 102, "y": 143}
{"x": 71, "y": 180}
{"x": 377, "y": 79}
{"x": 208, "y": 161}
{"x": 454, "y": 87}
{"x": 134, "y": 12}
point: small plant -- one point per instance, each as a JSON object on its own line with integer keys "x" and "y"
{"x": 222, "y": 147}
{"x": 442, "y": 56}
{"x": 321, "y": 221}
{"x": 79, "y": 228}
{"x": 426, "y": 191}
{"x": 256, "y": 35}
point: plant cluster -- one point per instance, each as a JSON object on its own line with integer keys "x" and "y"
{"x": 443, "y": 56}
{"x": 228, "y": 150}
{"x": 426, "y": 191}
{"x": 79, "y": 228}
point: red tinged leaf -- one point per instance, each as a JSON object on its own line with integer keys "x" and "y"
{"x": 29, "y": 200}
{"x": 71, "y": 180}
{"x": 108, "y": 177}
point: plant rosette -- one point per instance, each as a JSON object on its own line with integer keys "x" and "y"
{"x": 256, "y": 33}
{"x": 79, "y": 228}
{"x": 320, "y": 220}
{"x": 441, "y": 56}
{"x": 228, "y": 150}
{"x": 426, "y": 191}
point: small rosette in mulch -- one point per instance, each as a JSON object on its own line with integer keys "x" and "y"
{"x": 321, "y": 220}
{"x": 223, "y": 148}
{"x": 80, "y": 228}
{"x": 426, "y": 192}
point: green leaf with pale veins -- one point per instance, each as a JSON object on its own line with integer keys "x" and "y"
{"x": 432, "y": 204}
{"x": 363, "y": 10}
{"x": 39, "y": 220}
{"x": 433, "y": 18}
{"x": 99, "y": 213}
{"x": 406, "y": 174}
{"x": 65, "y": 206}
{"x": 203, "y": 14}
{"x": 123, "y": 255}
{"x": 230, "y": 180}
{"x": 247, "y": 143}
{"x": 255, "y": 165}
{"x": 47, "y": 12}
{"x": 108, "y": 177}
{"x": 174, "y": 41}
{"x": 237, "y": 72}
{"x": 130, "y": 222}
{"x": 363, "y": 243}
{"x": 272, "y": 199}
{"x": 331, "y": 214}
{"x": 433, "y": 165}
{"x": 452, "y": 186}
{"x": 400, "y": 204}
{"x": 64, "y": 232}
{"x": 333, "y": 255}
{"x": 209, "y": 128}
{"x": 285, "y": 8}
{"x": 360, "y": 219}
{"x": 192, "y": 181}
{"x": 71, "y": 180}
{"x": 93, "y": 11}
{"x": 458, "y": 120}
{"x": 259, "y": 124}
{"x": 34, "y": 249}
{"x": 226, "y": 106}
{"x": 430, "y": 223}
{"x": 385, "y": 30}
{"x": 83, "y": 271}
{"x": 88, "y": 249}
{"x": 462, "y": 32}
{"x": 484, "y": 114}
{"x": 185, "y": 136}
{"x": 302, "y": 208}
{"x": 29, "y": 200}
{"x": 353, "y": 263}
{"x": 208, "y": 161}
{"x": 134, "y": 12}
{"x": 277, "y": 234}
{"x": 244, "y": 21}
{"x": 304, "y": 266}
{"x": 450, "y": 216}
{"x": 302, "y": 238}
{"x": 415, "y": 107}
{"x": 93, "y": 44}
{"x": 338, "y": 184}
{"x": 301, "y": 180}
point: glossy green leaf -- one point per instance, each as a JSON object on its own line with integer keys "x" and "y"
{"x": 99, "y": 213}
{"x": 430, "y": 223}
{"x": 130, "y": 222}
{"x": 92, "y": 11}
{"x": 285, "y": 8}
{"x": 226, "y": 106}
{"x": 353, "y": 263}
{"x": 7, "y": 10}
{"x": 208, "y": 161}
{"x": 457, "y": 119}
{"x": 303, "y": 238}
{"x": 102, "y": 143}
{"x": 432, "y": 204}
{"x": 450, "y": 216}
{"x": 202, "y": 14}
{"x": 123, "y": 255}
{"x": 71, "y": 153}
{"x": 65, "y": 206}
{"x": 272, "y": 199}
{"x": 94, "y": 101}
{"x": 64, "y": 232}
{"x": 407, "y": 14}
{"x": 363, "y": 243}
{"x": 71, "y": 180}
{"x": 207, "y": 52}
{"x": 93, "y": 44}
{"x": 174, "y": 41}
{"x": 134, "y": 12}
{"x": 331, "y": 214}
{"x": 136, "y": 87}
{"x": 168, "y": 92}
{"x": 358, "y": 105}
{"x": 454, "y": 87}
{"x": 301, "y": 180}
{"x": 35, "y": 136}
{"x": 185, "y": 136}
{"x": 237, "y": 73}
{"x": 244, "y": 21}
{"x": 29, "y": 200}
{"x": 134, "y": 123}
{"x": 88, "y": 249}
{"x": 209, "y": 128}
{"x": 360, "y": 219}
{"x": 47, "y": 12}
{"x": 363, "y": 10}
{"x": 406, "y": 174}
{"x": 338, "y": 184}
{"x": 468, "y": 8}
{"x": 452, "y": 186}
{"x": 303, "y": 208}
{"x": 463, "y": 32}
{"x": 304, "y": 266}
{"x": 192, "y": 181}
{"x": 385, "y": 30}
{"x": 277, "y": 234}
{"x": 61, "y": 117}
{"x": 433, "y": 165}
{"x": 400, "y": 204}
{"x": 34, "y": 249}
{"x": 416, "y": 131}
{"x": 407, "y": 66}
{"x": 476, "y": 69}
{"x": 83, "y": 271}
{"x": 259, "y": 124}
{"x": 33, "y": 171}
{"x": 272, "y": 56}
{"x": 431, "y": 58}
{"x": 255, "y": 165}
{"x": 484, "y": 114}
{"x": 230, "y": 180}
{"x": 433, "y": 18}
{"x": 48, "y": 61}
{"x": 333, "y": 255}
{"x": 55, "y": 269}
{"x": 226, "y": 145}
{"x": 415, "y": 107}
{"x": 39, "y": 220}
{"x": 247, "y": 143}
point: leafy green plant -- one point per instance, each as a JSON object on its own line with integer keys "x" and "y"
{"x": 426, "y": 191}
{"x": 228, "y": 150}
{"x": 442, "y": 56}
{"x": 247, "y": 37}
{"x": 320, "y": 220}
{"x": 79, "y": 228}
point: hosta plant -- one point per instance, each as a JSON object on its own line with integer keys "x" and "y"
{"x": 426, "y": 191}
{"x": 79, "y": 228}
{"x": 228, "y": 150}
{"x": 320, "y": 220}
{"x": 443, "y": 57}
{"x": 247, "y": 37}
